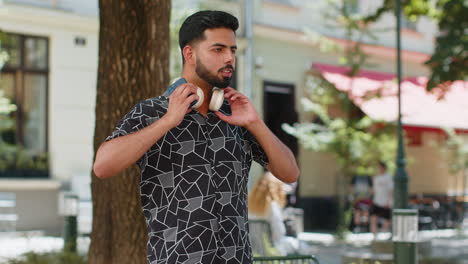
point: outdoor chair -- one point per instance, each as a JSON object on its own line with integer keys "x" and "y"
{"x": 263, "y": 250}
{"x": 260, "y": 237}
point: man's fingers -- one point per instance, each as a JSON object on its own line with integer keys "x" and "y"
{"x": 191, "y": 98}
{"x": 234, "y": 97}
{"x": 189, "y": 89}
{"x": 183, "y": 92}
{"x": 223, "y": 117}
{"x": 229, "y": 89}
{"x": 229, "y": 93}
{"x": 238, "y": 96}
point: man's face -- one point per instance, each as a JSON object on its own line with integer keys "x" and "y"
{"x": 216, "y": 57}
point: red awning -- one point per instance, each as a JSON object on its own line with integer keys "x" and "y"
{"x": 376, "y": 94}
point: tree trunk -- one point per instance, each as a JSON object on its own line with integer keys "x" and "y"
{"x": 133, "y": 65}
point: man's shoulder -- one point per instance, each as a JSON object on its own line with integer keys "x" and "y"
{"x": 159, "y": 103}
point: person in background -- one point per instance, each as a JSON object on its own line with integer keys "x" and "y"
{"x": 266, "y": 201}
{"x": 383, "y": 199}
{"x": 361, "y": 189}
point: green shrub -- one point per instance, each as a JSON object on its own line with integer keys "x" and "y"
{"x": 48, "y": 258}
{"x": 438, "y": 261}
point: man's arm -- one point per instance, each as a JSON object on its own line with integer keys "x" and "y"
{"x": 281, "y": 160}
{"x": 116, "y": 155}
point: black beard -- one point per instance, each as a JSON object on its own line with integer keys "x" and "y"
{"x": 211, "y": 79}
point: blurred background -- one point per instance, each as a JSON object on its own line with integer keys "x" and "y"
{"x": 321, "y": 73}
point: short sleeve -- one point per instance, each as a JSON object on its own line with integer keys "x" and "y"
{"x": 390, "y": 182}
{"x": 275, "y": 218}
{"x": 140, "y": 116}
{"x": 258, "y": 154}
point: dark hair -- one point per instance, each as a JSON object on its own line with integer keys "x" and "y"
{"x": 194, "y": 26}
{"x": 383, "y": 165}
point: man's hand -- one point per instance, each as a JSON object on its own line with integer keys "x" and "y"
{"x": 281, "y": 160}
{"x": 243, "y": 112}
{"x": 179, "y": 103}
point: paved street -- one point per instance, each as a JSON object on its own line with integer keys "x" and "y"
{"x": 448, "y": 245}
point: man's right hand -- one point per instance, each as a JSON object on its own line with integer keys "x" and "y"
{"x": 179, "y": 103}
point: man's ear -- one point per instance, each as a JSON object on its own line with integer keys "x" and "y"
{"x": 189, "y": 54}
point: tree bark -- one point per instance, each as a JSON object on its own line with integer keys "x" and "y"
{"x": 133, "y": 65}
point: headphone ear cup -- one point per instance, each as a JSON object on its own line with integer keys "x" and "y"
{"x": 201, "y": 97}
{"x": 217, "y": 98}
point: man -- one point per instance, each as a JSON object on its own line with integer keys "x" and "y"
{"x": 195, "y": 163}
{"x": 383, "y": 199}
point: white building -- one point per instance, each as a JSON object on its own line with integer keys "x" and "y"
{"x": 51, "y": 77}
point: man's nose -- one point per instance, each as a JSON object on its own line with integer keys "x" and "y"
{"x": 229, "y": 58}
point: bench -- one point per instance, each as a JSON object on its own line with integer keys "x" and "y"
{"x": 263, "y": 250}
{"x": 8, "y": 216}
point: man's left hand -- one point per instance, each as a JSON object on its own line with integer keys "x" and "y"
{"x": 243, "y": 112}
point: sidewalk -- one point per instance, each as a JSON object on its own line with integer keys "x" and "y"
{"x": 445, "y": 244}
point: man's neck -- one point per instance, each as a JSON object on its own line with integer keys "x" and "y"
{"x": 206, "y": 88}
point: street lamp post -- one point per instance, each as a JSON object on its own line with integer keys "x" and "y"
{"x": 404, "y": 250}
{"x": 69, "y": 209}
{"x": 401, "y": 177}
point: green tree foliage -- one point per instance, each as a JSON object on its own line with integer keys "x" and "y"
{"x": 449, "y": 62}
{"x": 455, "y": 150}
{"x": 355, "y": 140}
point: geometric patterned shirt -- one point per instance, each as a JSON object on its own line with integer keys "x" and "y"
{"x": 193, "y": 186}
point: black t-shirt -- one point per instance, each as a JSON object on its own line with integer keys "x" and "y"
{"x": 193, "y": 186}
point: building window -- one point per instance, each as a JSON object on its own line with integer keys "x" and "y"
{"x": 407, "y": 24}
{"x": 24, "y": 80}
{"x": 352, "y": 7}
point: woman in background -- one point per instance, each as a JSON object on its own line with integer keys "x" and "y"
{"x": 266, "y": 201}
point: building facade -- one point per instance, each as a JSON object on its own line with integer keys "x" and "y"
{"x": 51, "y": 77}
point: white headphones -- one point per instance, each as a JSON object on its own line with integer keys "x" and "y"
{"x": 217, "y": 95}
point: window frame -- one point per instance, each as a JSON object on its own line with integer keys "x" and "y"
{"x": 19, "y": 74}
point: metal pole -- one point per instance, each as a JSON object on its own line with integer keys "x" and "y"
{"x": 403, "y": 252}
{"x": 70, "y": 233}
{"x": 248, "y": 57}
{"x": 401, "y": 177}
{"x": 69, "y": 209}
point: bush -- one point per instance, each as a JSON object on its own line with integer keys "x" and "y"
{"x": 49, "y": 258}
{"x": 439, "y": 261}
